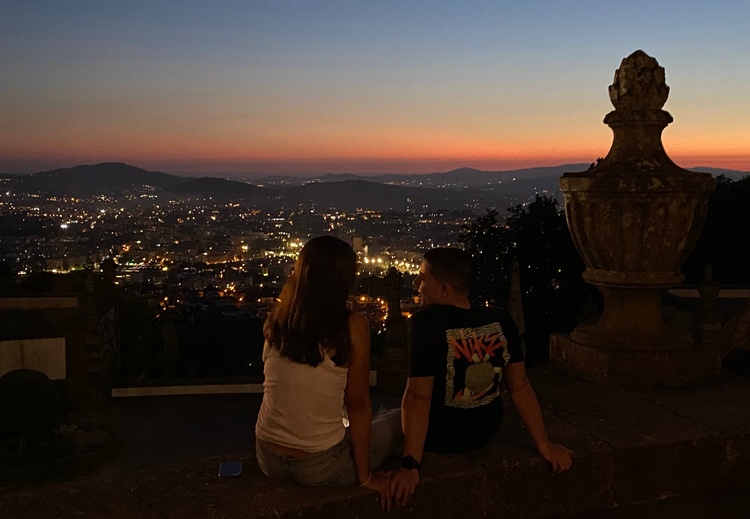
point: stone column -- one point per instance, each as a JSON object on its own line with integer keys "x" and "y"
{"x": 634, "y": 217}
{"x": 393, "y": 373}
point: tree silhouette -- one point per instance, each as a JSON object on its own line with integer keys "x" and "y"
{"x": 536, "y": 235}
{"x": 490, "y": 246}
{"x": 726, "y": 233}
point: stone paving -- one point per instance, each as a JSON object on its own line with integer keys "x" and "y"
{"x": 666, "y": 452}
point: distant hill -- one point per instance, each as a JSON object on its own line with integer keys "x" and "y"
{"x": 729, "y": 173}
{"x": 463, "y": 188}
{"x": 352, "y": 194}
{"x": 109, "y": 178}
{"x": 340, "y": 177}
{"x": 458, "y": 178}
{"x": 219, "y": 189}
{"x": 475, "y": 177}
{"x": 8, "y": 181}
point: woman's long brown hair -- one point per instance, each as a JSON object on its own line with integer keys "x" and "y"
{"x": 312, "y": 315}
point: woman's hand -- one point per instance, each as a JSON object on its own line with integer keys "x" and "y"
{"x": 380, "y": 482}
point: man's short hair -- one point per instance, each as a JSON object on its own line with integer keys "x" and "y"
{"x": 452, "y": 266}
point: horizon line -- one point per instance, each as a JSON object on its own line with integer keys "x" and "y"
{"x": 178, "y": 171}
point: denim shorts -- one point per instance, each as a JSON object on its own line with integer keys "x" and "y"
{"x": 329, "y": 468}
{"x": 334, "y": 467}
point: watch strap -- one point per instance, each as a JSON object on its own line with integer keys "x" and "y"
{"x": 409, "y": 463}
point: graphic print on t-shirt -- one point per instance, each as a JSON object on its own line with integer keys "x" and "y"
{"x": 475, "y": 357}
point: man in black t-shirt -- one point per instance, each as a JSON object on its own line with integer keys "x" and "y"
{"x": 459, "y": 358}
{"x": 465, "y": 351}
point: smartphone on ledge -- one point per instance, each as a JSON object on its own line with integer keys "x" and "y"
{"x": 230, "y": 468}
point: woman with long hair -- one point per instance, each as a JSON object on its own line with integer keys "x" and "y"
{"x": 316, "y": 363}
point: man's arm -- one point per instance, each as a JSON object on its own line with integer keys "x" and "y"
{"x": 415, "y": 417}
{"x": 525, "y": 401}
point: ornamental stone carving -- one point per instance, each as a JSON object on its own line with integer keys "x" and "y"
{"x": 639, "y": 84}
{"x": 634, "y": 217}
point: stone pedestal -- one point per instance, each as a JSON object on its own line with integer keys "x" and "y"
{"x": 634, "y": 217}
{"x": 393, "y": 371}
{"x": 635, "y": 368}
{"x": 632, "y": 321}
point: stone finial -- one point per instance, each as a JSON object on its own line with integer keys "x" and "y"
{"x": 639, "y": 84}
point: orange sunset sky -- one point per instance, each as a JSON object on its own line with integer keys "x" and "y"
{"x": 380, "y": 87}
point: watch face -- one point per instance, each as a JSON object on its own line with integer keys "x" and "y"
{"x": 409, "y": 463}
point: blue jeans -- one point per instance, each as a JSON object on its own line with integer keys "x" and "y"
{"x": 335, "y": 467}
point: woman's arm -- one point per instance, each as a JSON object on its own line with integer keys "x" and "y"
{"x": 357, "y": 395}
{"x": 359, "y": 409}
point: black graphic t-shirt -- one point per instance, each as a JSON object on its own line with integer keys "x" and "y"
{"x": 466, "y": 351}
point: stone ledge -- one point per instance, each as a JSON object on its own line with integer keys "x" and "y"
{"x": 503, "y": 479}
{"x": 631, "y": 447}
{"x": 38, "y": 303}
{"x": 194, "y": 489}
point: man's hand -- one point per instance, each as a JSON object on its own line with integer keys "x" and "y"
{"x": 558, "y": 456}
{"x": 380, "y": 482}
{"x": 403, "y": 484}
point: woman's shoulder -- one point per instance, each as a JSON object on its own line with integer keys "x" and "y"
{"x": 359, "y": 330}
{"x": 358, "y": 319}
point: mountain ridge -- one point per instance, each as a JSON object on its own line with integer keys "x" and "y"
{"x": 461, "y": 188}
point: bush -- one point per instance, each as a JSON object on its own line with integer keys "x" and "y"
{"x": 28, "y": 403}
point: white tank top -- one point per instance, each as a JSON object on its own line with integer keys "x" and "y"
{"x": 302, "y": 405}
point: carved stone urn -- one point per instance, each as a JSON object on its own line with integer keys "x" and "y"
{"x": 634, "y": 217}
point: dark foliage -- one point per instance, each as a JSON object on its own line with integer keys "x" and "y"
{"x": 28, "y": 403}
{"x": 725, "y": 237}
{"x": 536, "y": 235}
{"x": 6, "y": 271}
{"x": 491, "y": 247}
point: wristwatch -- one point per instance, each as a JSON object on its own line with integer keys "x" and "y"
{"x": 409, "y": 463}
